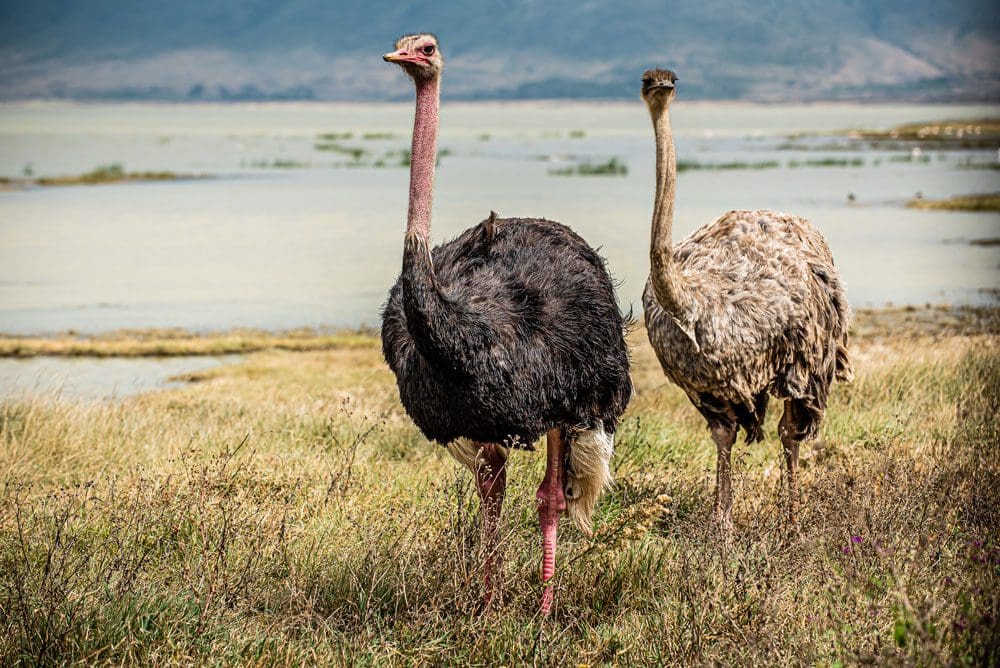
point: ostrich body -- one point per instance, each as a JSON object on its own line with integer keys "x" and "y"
{"x": 746, "y": 307}
{"x": 508, "y": 332}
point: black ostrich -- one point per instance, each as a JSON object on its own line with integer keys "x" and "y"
{"x": 506, "y": 333}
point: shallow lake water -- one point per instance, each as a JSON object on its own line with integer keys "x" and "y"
{"x": 319, "y": 244}
{"x": 96, "y": 379}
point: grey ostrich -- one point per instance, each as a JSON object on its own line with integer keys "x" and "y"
{"x": 508, "y": 332}
{"x": 746, "y": 307}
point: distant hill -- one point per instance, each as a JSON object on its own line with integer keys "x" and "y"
{"x": 328, "y": 49}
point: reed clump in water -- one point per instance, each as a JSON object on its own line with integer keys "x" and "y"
{"x": 104, "y": 174}
{"x": 612, "y": 167}
{"x": 984, "y": 202}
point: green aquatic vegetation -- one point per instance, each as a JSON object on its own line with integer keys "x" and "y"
{"x": 909, "y": 157}
{"x": 279, "y": 163}
{"x": 827, "y": 162}
{"x": 969, "y": 164}
{"x": 113, "y": 173}
{"x": 613, "y": 167}
{"x": 398, "y": 158}
{"x": 356, "y": 152}
{"x": 577, "y": 134}
{"x": 378, "y": 136}
{"x": 829, "y": 146}
{"x": 334, "y": 136}
{"x": 692, "y": 165}
{"x": 986, "y": 242}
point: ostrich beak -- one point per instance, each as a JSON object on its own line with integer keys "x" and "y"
{"x": 665, "y": 84}
{"x": 399, "y": 56}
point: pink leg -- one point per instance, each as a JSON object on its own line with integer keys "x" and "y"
{"x": 551, "y": 504}
{"x": 491, "y": 482}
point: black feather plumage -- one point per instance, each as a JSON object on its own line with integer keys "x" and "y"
{"x": 505, "y": 332}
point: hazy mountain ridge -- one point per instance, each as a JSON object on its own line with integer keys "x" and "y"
{"x": 300, "y": 49}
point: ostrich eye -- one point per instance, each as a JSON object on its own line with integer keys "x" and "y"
{"x": 428, "y": 50}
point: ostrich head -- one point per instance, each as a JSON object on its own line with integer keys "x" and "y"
{"x": 658, "y": 88}
{"x": 419, "y": 55}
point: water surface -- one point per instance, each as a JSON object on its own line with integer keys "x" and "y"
{"x": 282, "y": 248}
{"x": 96, "y": 379}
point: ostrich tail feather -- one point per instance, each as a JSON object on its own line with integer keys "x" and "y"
{"x": 469, "y": 454}
{"x": 589, "y": 473}
{"x": 844, "y": 371}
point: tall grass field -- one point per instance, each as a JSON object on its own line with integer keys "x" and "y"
{"x": 285, "y": 511}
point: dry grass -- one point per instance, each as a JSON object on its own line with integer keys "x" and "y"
{"x": 173, "y": 343}
{"x": 285, "y": 511}
{"x": 953, "y": 134}
{"x": 989, "y": 127}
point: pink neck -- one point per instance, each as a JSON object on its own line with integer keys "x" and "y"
{"x": 423, "y": 155}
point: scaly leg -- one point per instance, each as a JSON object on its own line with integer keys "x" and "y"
{"x": 551, "y": 504}
{"x": 788, "y": 430}
{"x": 491, "y": 483}
{"x": 724, "y": 437}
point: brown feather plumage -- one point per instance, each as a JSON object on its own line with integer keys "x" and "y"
{"x": 770, "y": 316}
{"x": 747, "y": 307}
